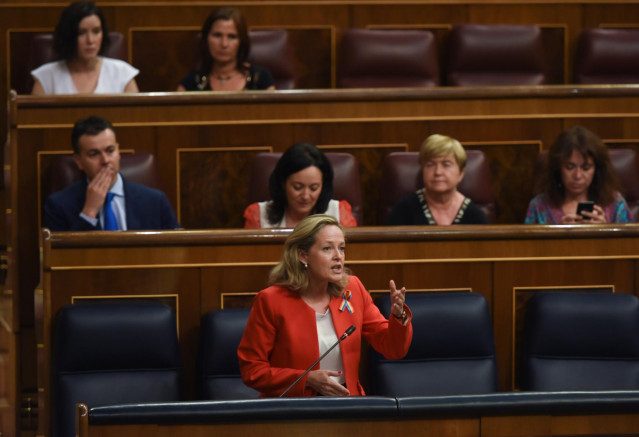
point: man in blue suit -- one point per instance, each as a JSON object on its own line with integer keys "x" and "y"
{"x": 104, "y": 200}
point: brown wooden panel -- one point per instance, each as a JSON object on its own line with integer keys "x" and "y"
{"x": 313, "y": 51}
{"x": 233, "y": 286}
{"x": 516, "y": 426}
{"x": 432, "y": 427}
{"x": 370, "y": 158}
{"x": 555, "y": 53}
{"x": 163, "y": 56}
{"x": 19, "y": 77}
{"x": 512, "y": 173}
{"x": 213, "y": 186}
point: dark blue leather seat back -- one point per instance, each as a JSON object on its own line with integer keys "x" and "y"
{"x": 218, "y": 367}
{"x": 452, "y": 352}
{"x": 107, "y": 353}
{"x": 581, "y": 341}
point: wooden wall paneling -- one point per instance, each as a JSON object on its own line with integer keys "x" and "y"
{"x": 432, "y": 276}
{"x": 314, "y": 52}
{"x": 409, "y": 14}
{"x": 516, "y": 426}
{"x": 163, "y": 55}
{"x": 605, "y": 126}
{"x": 8, "y": 368}
{"x": 221, "y": 283}
{"x": 511, "y": 166}
{"x": 313, "y": 49}
{"x": 27, "y": 216}
{"x": 19, "y": 42}
{"x": 370, "y": 158}
{"x": 608, "y": 15}
{"x": 556, "y": 53}
{"x": 595, "y": 424}
{"x": 224, "y": 174}
{"x": 463, "y": 425}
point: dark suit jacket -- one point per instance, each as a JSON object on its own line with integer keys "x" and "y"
{"x": 146, "y": 209}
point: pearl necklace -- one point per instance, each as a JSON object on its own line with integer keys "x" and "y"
{"x": 222, "y": 79}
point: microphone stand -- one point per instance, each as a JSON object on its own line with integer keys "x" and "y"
{"x": 348, "y": 332}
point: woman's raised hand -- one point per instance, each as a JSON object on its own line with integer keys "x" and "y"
{"x": 398, "y": 298}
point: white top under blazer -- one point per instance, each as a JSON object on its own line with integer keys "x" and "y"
{"x": 114, "y": 77}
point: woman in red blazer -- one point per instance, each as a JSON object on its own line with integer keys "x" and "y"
{"x": 312, "y": 302}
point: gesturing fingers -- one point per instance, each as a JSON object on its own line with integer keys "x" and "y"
{"x": 398, "y": 298}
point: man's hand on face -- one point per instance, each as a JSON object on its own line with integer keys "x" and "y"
{"x": 97, "y": 191}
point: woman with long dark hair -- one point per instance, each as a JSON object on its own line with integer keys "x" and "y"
{"x": 301, "y": 184}
{"x": 578, "y": 170}
{"x": 224, "y": 50}
{"x": 80, "y": 40}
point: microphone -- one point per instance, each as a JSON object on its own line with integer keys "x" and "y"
{"x": 348, "y": 332}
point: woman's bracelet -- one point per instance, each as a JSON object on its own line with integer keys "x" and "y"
{"x": 401, "y": 317}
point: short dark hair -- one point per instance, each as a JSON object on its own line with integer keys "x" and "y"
{"x": 92, "y": 126}
{"x": 224, "y": 13}
{"x": 65, "y": 37}
{"x": 296, "y": 158}
{"x": 605, "y": 183}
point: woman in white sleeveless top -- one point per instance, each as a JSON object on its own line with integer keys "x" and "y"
{"x": 80, "y": 38}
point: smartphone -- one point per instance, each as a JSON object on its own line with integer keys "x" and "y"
{"x": 588, "y": 205}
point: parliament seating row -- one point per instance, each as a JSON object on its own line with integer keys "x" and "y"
{"x": 269, "y": 48}
{"x": 476, "y": 55}
{"x": 480, "y": 55}
{"x": 114, "y": 353}
{"x": 401, "y": 174}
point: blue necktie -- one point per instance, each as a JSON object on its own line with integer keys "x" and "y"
{"x": 110, "y": 223}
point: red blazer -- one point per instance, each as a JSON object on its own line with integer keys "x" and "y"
{"x": 280, "y": 340}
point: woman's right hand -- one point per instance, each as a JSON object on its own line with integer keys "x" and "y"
{"x": 320, "y": 381}
{"x": 596, "y": 216}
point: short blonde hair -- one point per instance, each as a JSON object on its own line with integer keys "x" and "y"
{"x": 290, "y": 272}
{"x": 440, "y": 145}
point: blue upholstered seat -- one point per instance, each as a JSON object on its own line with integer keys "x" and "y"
{"x": 452, "y": 352}
{"x": 581, "y": 341}
{"x": 218, "y": 375}
{"x": 108, "y": 353}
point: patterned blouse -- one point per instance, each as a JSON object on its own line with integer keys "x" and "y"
{"x": 540, "y": 211}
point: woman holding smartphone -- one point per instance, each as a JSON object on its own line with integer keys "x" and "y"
{"x": 579, "y": 183}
